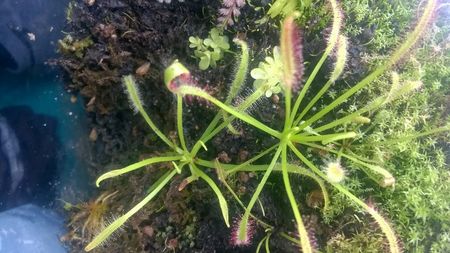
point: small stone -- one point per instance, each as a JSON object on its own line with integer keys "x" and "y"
{"x": 143, "y": 69}
{"x": 90, "y": 106}
{"x": 242, "y": 190}
{"x": 93, "y": 135}
{"x": 90, "y": 2}
{"x": 73, "y": 99}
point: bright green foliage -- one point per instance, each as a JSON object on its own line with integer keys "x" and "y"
{"x": 381, "y": 21}
{"x": 211, "y": 49}
{"x": 268, "y": 75}
{"x": 288, "y": 7}
{"x": 366, "y": 242}
{"x": 418, "y": 207}
{"x": 285, "y": 7}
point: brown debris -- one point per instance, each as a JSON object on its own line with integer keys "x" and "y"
{"x": 223, "y": 157}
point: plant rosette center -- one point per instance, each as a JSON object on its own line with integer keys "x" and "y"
{"x": 187, "y": 158}
{"x": 287, "y": 135}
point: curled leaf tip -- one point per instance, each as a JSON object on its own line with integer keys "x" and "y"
{"x": 175, "y": 75}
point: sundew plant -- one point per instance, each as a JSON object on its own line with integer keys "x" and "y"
{"x": 301, "y": 132}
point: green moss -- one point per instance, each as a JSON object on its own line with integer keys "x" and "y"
{"x": 381, "y": 23}
{"x": 366, "y": 242}
{"x": 418, "y": 205}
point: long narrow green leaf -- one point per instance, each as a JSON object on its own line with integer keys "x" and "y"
{"x": 241, "y": 72}
{"x": 135, "y": 166}
{"x": 100, "y": 238}
{"x": 326, "y": 138}
{"x": 304, "y": 238}
{"x": 244, "y": 221}
{"x": 136, "y": 101}
{"x": 222, "y": 201}
{"x": 190, "y": 90}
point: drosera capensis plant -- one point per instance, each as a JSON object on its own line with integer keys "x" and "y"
{"x": 180, "y": 156}
{"x": 298, "y": 134}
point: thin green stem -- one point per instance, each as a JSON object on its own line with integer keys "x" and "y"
{"x": 372, "y": 106}
{"x": 288, "y": 98}
{"x": 349, "y": 153}
{"x": 190, "y": 90}
{"x": 180, "y": 122}
{"x": 311, "y": 78}
{"x": 250, "y": 161}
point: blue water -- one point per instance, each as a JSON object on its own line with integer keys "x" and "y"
{"x": 46, "y": 95}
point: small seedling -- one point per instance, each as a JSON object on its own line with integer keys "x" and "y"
{"x": 211, "y": 49}
{"x": 268, "y": 75}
